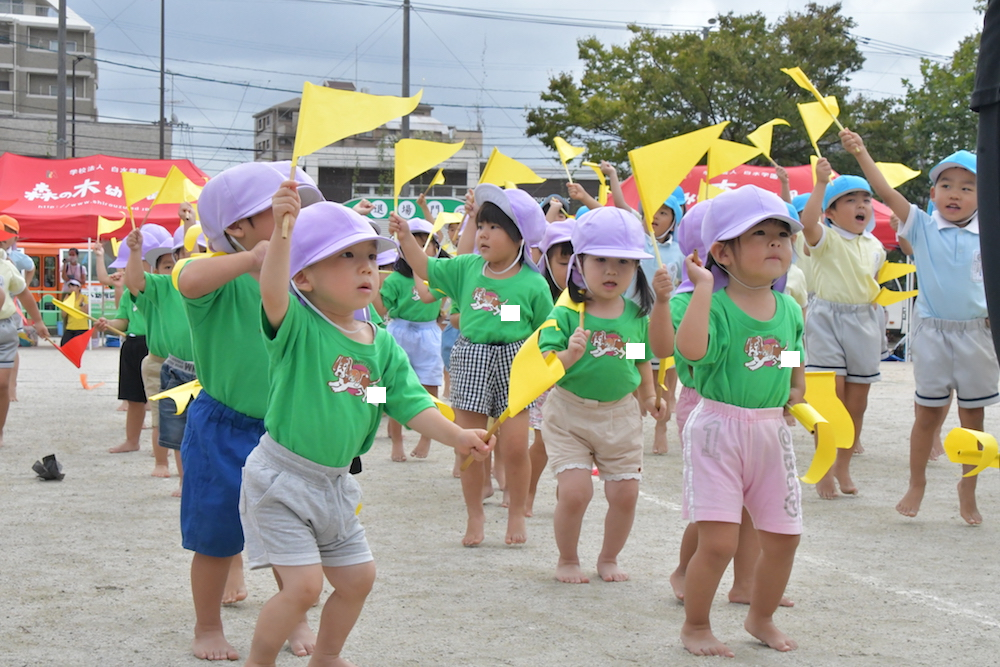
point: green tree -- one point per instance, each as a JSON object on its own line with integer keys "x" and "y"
{"x": 658, "y": 86}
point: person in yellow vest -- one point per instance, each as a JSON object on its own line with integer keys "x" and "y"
{"x": 75, "y": 325}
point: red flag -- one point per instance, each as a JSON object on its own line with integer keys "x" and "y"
{"x": 73, "y": 350}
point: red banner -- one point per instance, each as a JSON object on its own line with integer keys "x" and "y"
{"x": 799, "y": 181}
{"x": 58, "y": 201}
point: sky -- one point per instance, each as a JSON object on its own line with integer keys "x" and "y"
{"x": 475, "y": 71}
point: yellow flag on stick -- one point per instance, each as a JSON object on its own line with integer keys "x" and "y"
{"x": 139, "y": 186}
{"x": 567, "y": 153}
{"x": 327, "y": 115}
{"x": 444, "y": 218}
{"x": 799, "y": 77}
{"x": 532, "y": 373}
{"x": 659, "y": 168}
{"x": 105, "y": 226}
{"x": 191, "y": 237}
{"x": 726, "y": 155}
{"x": 893, "y": 270}
{"x": 706, "y": 191}
{"x": 437, "y": 180}
{"x": 895, "y": 173}
{"x": 973, "y": 448}
{"x": 604, "y": 191}
{"x": 115, "y": 244}
{"x": 181, "y": 395}
{"x": 887, "y": 297}
{"x": 825, "y": 415}
{"x": 818, "y": 118}
{"x": 763, "y": 136}
{"x": 176, "y": 189}
{"x": 500, "y": 169}
{"x": 415, "y": 156}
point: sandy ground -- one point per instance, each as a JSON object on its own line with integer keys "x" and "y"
{"x": 93, "y": 572}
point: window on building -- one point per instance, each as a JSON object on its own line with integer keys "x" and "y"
{"x": 43, "y": 84}
{"x": 5, "y": 82}
{"x": 53, "y": 45}
{"x": 6, "y": 33}
{"x": 260, "y": 124}
{"x": 44, "y": 9}
{"x": 11, "y": 6}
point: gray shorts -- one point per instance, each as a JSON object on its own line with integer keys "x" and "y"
{"x": 8, "y": 341}
{"x": 845, "y": 338}
{"x": 954, "y": 355}
{"x": 297, "y": 512}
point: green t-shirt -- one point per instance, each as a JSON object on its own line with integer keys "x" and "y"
{"x": 228, "y": 347}
{"x": 320, "y": 381}
{"x": 742, "y": 365}
{"x": 166, "y": 319}
{"x": 603, "y": 373}
{"x": 127, "y": 310}
{"x": 480, "y": 298}
{"x": 402, "y": 302}
{"x": 375, "y": 317}
{"x": 678, "y": 306}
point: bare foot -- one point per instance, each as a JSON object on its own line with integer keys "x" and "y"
{"x": 474, "y": 531}
{"x": 741, "y": 596}
{"x": 506, "y": 499}
{"x": 176, "y": 493}
{"x": 122, "y": 407}
{"x": 236, "y": 589}
{"x": 13, "y": 398}
{"x": 570, "y": 573}
{"x": 660, "y": 438}
{"x": 703, "y": 642}
{"x": 422, "y": 449}
{"x": 528, "y": 506}
{"x": 847, "y": 486}
{"x": 827, "y": 487}
{"x": 123, "y": 448}
{"x": 967, "y": 502}
{"x": 160, "y": 471}
{"x": 517, "y": 531}
{"x": 677, "y": 583}
{"x": 610, "y": 571}
{"x": 302, "y": 640}
{"x": 768, "y": 632}
{"x": 397, "y": 452}
{"x": 910, "y": 504}
{"x": 859, "y": 449}
{"x": 488, "y": 490}
{"x": 937, "y": 450}
{"x": 212, "y": 645}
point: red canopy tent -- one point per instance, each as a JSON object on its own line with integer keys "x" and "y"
{"x": 58, "y": 201}
{"x": 799, "y": 181}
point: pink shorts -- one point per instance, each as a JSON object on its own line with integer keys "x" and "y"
{"x": 736, "y": 457}
{"x": 686, "y": 401}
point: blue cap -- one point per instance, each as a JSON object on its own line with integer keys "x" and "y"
{"x": 799, "y": 202}
{"x": 963, "y": 159}
{"x": 843, "y": 185}
{"x": 674, "y": 204}
{"x": 792, "y": 211}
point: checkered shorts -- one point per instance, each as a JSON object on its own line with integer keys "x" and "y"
{"x": 480, "y": 374}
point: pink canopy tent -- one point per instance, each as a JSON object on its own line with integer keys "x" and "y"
{"x": 799, "y": 181}
{"x": 58, "y": 201}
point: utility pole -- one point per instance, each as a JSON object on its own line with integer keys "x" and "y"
{"x": 61, "y": 86}
{"x": 406, "y": 64}
{"x": 163, "y": 111}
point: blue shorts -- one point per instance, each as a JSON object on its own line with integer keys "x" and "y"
{"x": 173, "y": 373}
{"x": 417, "y": 339}
{"x": 216, "y": 444}
{"x": 448, "y": 337}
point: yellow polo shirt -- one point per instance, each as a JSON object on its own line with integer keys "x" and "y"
{"x": 844, "y": 266}
{"x": 12, "y": 283}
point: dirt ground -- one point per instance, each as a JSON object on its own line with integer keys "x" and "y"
{"x": 93, "y": 572}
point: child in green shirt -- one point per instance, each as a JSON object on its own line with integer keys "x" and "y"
{"x": 502, "y": 299}
{"x": 332, "y": 376}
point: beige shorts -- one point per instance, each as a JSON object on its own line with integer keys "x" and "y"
{"x": 151, "y": 366}
{"x": 580, "y": 433}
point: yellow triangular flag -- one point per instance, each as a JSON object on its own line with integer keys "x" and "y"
{"x": 175, "y": 189}
{"x": 892, "y": 270}
{"x": 438, "y": 178}
{"x": 659, "y": 168}
{"x": 726, "y": 155}
{"x": 818, "y": 118}
{"x": 500, "y": 169}
{"x": 115, "y": 244}
{"x": 799, "y": 77}
{"x": 566, "y": 151}
{"x": 706, "y": 191}
{"x": 105, "y": 226}
{"x": 895, "y": 173}
{"x": 181, "y": 394}
{"x": 70, "y": 301}
{"x": 69, "y": 307}
{"x": 763, "y": 136}
{"x": 566, "y": 302}
{"x": 327, "y": 115}
{"x": 139, "y": 186}
{"x": 415, "y": 156}
{"x": 445, "y": 218}
{"x": 888, "y": 297}
{"x": 962, "y": 446}
{"x": 604, "y": 191}
{"x": 444, "y": 408}
{"x": 531, "y": 372}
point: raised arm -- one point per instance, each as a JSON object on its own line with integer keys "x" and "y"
{"x": 577, "y": 192}
{"x": 786, "y": 191}
{"x": 812, "y": 214}
{"x": 692, "y": 334}
{"x": 276, "y": 269}
{"x": 854, "y": 145}
{"x": 412, "y": 252}
{"x": 615, "y": 186}
{"x": 661, "y": 325}
{"x": 135, "y": 276}
{"x": 467, "y": 235}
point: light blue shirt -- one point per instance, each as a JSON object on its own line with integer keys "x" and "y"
{"x": 20, "y": 260}
{"x": 949, "y": 266}
{"x": 670, "y": 253}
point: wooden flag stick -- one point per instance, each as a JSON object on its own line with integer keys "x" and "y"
{"x": 286, "y": 222}
{"x": 489, "y": 434}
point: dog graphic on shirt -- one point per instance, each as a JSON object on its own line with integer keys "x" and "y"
{"x": 607, "y": 344}
{"x": 763, "y": 352}
{"x": 351, "y": 377}
{"x": 483, "y": 299}
{"x": 416, "y": 295}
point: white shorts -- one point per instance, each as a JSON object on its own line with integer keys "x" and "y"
{"x": 954, "y": 355}
{"x": 297, "y": 512}
{"x": 845, "y": 338}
